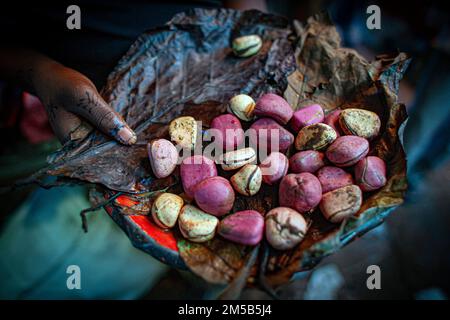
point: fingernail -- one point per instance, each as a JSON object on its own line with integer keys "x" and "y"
{"x": 127, "y": 136}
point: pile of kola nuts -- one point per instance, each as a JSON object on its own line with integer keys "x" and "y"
{"x": 330, "y": 170}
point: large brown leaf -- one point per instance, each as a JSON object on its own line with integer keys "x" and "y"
{"x": 187, "y": 68}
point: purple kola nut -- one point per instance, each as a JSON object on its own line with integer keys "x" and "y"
{"x": 275, "y": 107}
{"x": 341, "y": 203}
{"x": 195, "y": 169}
{"x": 306, "y": 116}
{"x": 274, "y": 167}
{"x": 243, "y": 227}
{"x": 306, "y": 161}
{"x": 285, "y": 228}
{"x": 332, "y": 119}
{"x": 345, "y": 151}
{"x": 332, "y": 178}
{"x": 227, "y": 131}
{"x": 370, "y": 173}
{"x": 214, "y": 195}
{"x": 300, "y": 191}
{"x": 163, "y": 157}
{"x": 268, "y": 135}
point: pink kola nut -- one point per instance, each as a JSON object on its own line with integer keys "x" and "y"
{"x": 195, "y": 169}
{"x": 263, "y": 130}
{"x": 300, "y": 191}
{"x": 370, "y": 173}
{"x": 274, "y": 167}
{"x": 306, "y": 116}
{"x": 244, "y": 227}
{"x": 332, "y": 178}
{"x": 306, "y": 161}
{"x": 163, "y": 157}
{"x": 228, "y": 131}
{"x": 214, "y": 195}
{"x": 332, "y": 119}
{"x": 275, "y": 107}
{"x": 345, "y": 151}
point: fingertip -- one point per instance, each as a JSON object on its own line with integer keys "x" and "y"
{"x": 126, "y": 136}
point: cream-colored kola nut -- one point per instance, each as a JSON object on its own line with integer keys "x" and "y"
{"x": 183, "y": 131}
{"x": 247, "y": 181}
{"x": 166, "y": 208}
{"x": 196, "y": 225}
{"x": 242, "y": 107}
{"x": 360, "y": 122}
{"x": 247, "y": 46}
{"x": 315, "y": 137}
{"x": 285, "y": 228}
{"x": 236, "y": 159}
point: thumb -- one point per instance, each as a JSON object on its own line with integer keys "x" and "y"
{"x": 91, "y": 106}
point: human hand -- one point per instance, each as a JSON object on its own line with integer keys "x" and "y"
{"x": 71, "y": 99}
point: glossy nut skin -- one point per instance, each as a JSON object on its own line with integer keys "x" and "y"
{"x": 370, "y": 173}
{"x": 183, "y": 132}
{"x": 306, "y": 161}
{"x": 300, "y": 191}
{"x": 285, "y": 228}
{"x": 332, "y": 178}
{"x": 360, "y": 122}
{"x": 214, "y": 195}
{"x": 264, "y": 129}
{"x": 163, "y": 157}
{"x": 274, "y": 167}
{"x": 196, "y": 225}
{"x": 227, "y": 131}
{"x": 332, "y": 119}
{"x": 236, "y": 159}
{"x": 243, "y": 227}
{"x": 246, "y": 46}
{"x": 341, "y": 203}
{"x": 345, "y": 151}
{"x": 242, "y": 106}
{"x": 195, "y": 169}
{"x": 166, "y": 209}
{"x": 306, "y": 116}
{"x": 247, "y": 181}
{"x": 315, "y": 137}
{"x": 273, "y": 106}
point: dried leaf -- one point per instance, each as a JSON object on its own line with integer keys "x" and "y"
{"x": 187, "y": 68}
{"x": 216, "y": 261}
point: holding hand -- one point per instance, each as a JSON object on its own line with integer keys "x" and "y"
{"x": 69, "y": 97}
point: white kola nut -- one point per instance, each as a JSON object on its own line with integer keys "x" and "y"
{"x": 247, "y": 46}
{"x": 166, "y": 209}
{"x": 196, "y": 225}
{"x": 242, "y": 107}
{"x": 247, "y": 181}
{"x": 238, "y": 158}
{"x": 183, "y": 131}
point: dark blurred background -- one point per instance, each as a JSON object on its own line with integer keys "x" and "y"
{"x": 412, "y": 246}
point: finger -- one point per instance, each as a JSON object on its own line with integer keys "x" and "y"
{"x": 66, "y": 125}
{"x": 91, "y": 106}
